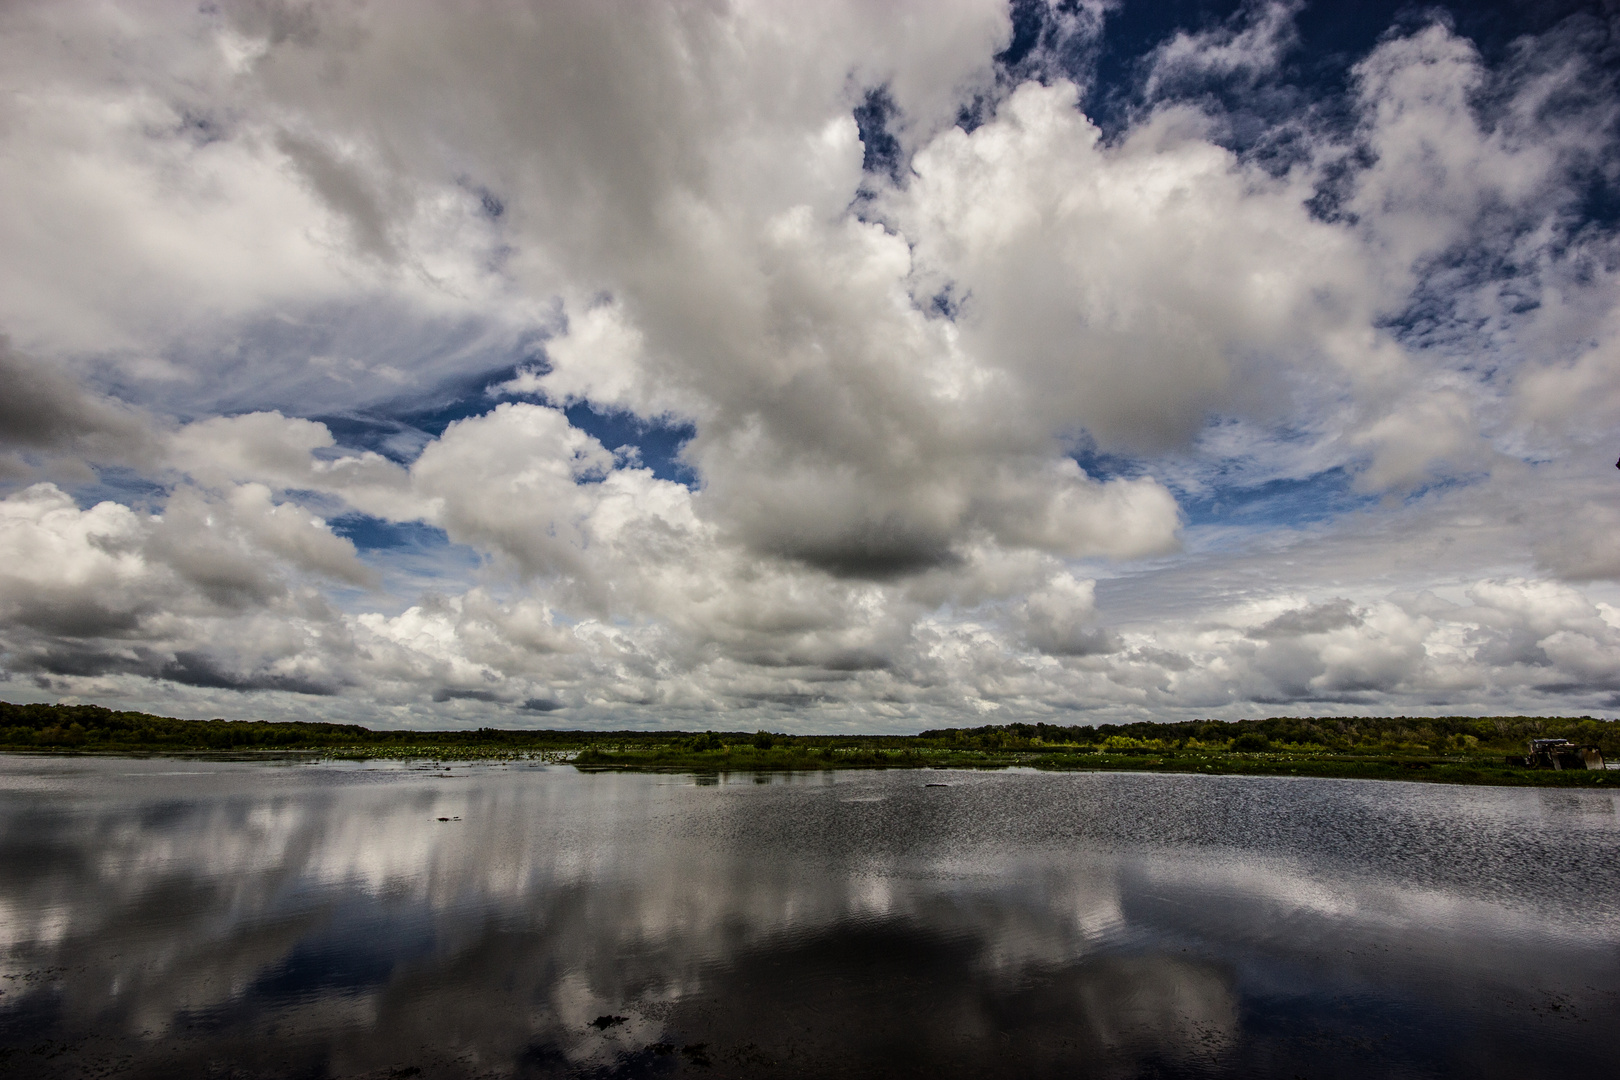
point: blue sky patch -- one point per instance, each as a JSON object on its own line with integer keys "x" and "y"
{"x": 1286, "y": 502}
{"x": 368, "y": 533}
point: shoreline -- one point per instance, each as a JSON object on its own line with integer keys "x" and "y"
{"x": 1485, "y": 751}
{"x": 1481, "y": 772}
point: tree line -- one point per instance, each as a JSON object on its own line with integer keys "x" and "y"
{"x": 94, "y": 727}
{"x": 1344, "y": 734}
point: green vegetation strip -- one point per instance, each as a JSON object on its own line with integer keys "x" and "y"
{"x": 1459, "y": 750}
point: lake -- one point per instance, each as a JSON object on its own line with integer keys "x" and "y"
{"x": 184, "y": 918}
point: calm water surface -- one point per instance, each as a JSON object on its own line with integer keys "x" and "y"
{"x": 164, "y": 918}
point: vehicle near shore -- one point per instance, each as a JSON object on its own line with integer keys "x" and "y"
{"x": 1562, "y": 754}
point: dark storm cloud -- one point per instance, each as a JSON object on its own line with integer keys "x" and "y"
{"x": 446, "y": 693}
{"x": 187, "y": 668}
{"x": 44, "y": 410}
{"x": 1318, "y": 619}
{"x": 345, "y": 190}
{"x": 70, "y": 616}
{"x": 200, "y": 669}
{"x": 1090, "y": 641}
{"x": 876, "y": 554}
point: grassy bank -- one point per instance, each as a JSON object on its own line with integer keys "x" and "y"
{"x": 1463, "y": 750}
{"x": 1455, "y": 769}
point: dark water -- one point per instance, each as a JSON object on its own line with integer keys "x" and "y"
{"x": 163, "y": 918}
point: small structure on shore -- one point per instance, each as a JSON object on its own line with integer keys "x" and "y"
{"x": 1562, "y": 754}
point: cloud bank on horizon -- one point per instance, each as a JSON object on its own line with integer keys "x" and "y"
{"x": 813, "y": 367}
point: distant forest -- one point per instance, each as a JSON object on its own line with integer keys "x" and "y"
{"x": 91, "y": 727}
{"x": 1388, "y": 734}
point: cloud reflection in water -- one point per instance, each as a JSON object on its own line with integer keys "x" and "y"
{"x": 322, "y": 921}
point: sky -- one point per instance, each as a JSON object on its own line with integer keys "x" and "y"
{"x": 823, "y": 367}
